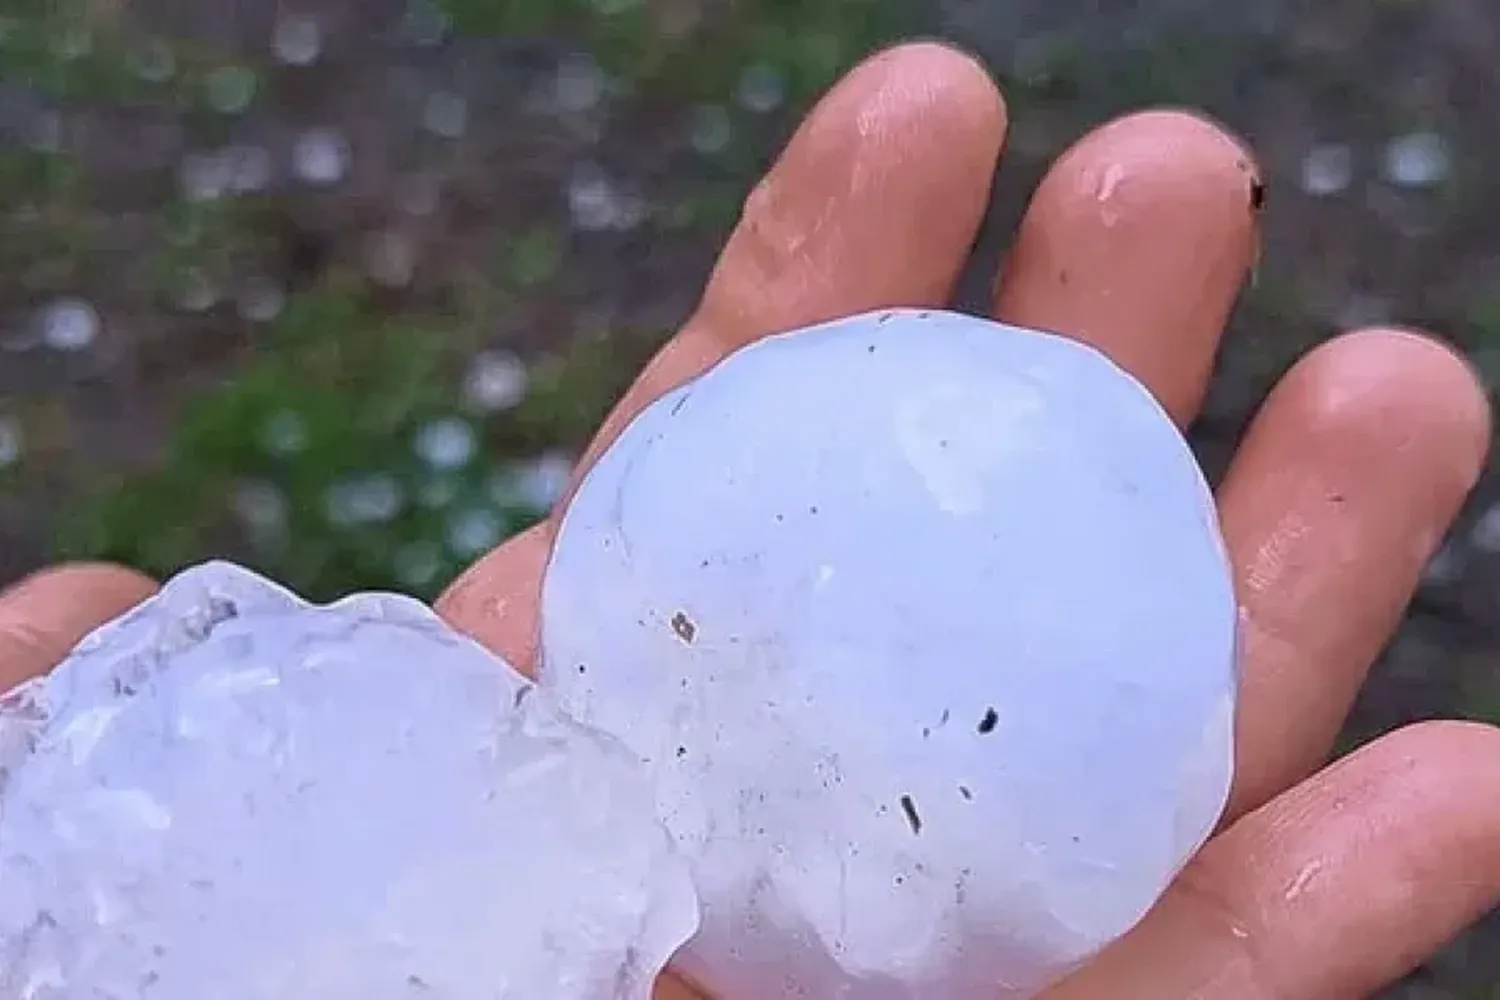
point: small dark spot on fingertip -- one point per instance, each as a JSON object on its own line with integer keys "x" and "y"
{"x": 1257, "y": 195}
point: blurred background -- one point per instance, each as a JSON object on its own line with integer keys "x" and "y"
{"x": 338, "y": 287}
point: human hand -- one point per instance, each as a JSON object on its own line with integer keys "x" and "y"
{"x": 1137, "y": 243}
{"x": 1317, "y": 887}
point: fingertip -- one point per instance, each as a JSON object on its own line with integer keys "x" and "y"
{"x": 1194, "y": 147}
{"x": 1441, "y": 376}
{"x": 875, "y": 200}
{"x": 954, "y": 83}
{"x": 874, "y": 203}
{"x": 1138, "y": 242}
{"x": 1401, "y": 388}
{"x": 1176, "y": 171}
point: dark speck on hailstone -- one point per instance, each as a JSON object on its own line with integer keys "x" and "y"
{"x": 684, "y": 626}
{"x": 913, "y": 818}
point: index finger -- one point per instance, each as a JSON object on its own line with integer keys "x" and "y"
{"x": 875, "y": 202}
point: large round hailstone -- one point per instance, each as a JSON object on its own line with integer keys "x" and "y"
{"x": 924, "y": 627}
{"x": 232, "y": 794}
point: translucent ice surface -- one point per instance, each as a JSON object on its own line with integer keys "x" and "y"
{"x": 232, "y": 795}
{"x": 925, "y": 629}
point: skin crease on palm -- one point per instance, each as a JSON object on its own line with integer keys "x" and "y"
{"x": 1323, "y": 883}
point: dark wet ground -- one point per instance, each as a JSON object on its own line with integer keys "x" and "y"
{"x": 477, "y": 236}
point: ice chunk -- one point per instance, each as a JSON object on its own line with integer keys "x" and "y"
{"x": 232, "y": 795}
{"x": 926, "y": 630}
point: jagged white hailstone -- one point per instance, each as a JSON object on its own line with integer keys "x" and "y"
{"x": 230, "y": 794}
{"x": 925, "y": 628}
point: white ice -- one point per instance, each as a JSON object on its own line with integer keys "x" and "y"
{"x": 233, "y": 795}
{"x": 915, "y": 638}
{"x": 926, "y": 632}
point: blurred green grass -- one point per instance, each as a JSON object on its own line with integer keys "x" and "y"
{"x": 305, "y": 457}
{"x": 361, "y": 373}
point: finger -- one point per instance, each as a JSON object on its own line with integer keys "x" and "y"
{"x": 45, "y": 615}
{"x": 1333, "y": 890}
{"x": 669, "y": 987}
{"x": 1137, "y": 242}
{"x": 1344, "y": 485}
{"x": 875, "y": 202}
{"x": 494, "y": 601}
